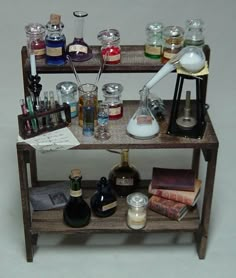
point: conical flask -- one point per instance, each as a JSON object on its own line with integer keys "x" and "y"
{"x": 143, "y": 124}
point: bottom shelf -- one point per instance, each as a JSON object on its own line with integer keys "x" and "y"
{"x": 52, "y": 221}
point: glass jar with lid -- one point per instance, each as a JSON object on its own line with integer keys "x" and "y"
{"x": 35, "y": 34}
{"x": 153, "y": 45}
{"x": 112, "y": 94}
{"x": 110, "y": 50}
{"x": 137, "y": 211}
{"x": 67, "y": 92}
{"x": 194, "y": 35}
{"x": 173, "y": 39}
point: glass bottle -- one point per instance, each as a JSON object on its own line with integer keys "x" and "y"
{"x": 89, "y": 107}
{"x": 173, "y": 38}
{"x": 143, "y": 124}
{"x": 92, "y": 90}
{"x": 137, "y": 211}
{"x": 194, "y": 32}
{"x": 67, "y": 92}
{"x": 35, "y": 34}
{"x": 153, "y": 45}
{"x": 55, "y": 41}
{"x": 124, "y": 177}
{"x": 103, "y": 203}
{"x": 79, "y": 50}
{"x": 110, "y": 50}
{"x": 76, "y": 212}
{"x": 102, "y": 131}
{"x": 112, "y": 94}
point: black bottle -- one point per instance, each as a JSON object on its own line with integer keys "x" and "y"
{"x": 103, "y": 202}
{"x": 76, "y": 212}
{"x": 124, "y": 177}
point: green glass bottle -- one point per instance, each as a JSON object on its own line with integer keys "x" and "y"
{"x": 76, "y": 212}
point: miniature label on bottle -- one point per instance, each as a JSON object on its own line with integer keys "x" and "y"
{"x": 39, "y": 52}
{"x": 109, "y": 206}
{"x": 112, "y": 58}
{"x": 54, "y": 51}
{"x": 153, "y": 50}
{"x": 114, "y": 111}
{"x": 125, "y": 181}
{"x": 78, "y": 48}
{"x": 168, "y": 55}
{"x": 75, "y": 193}
{"x": 144, "y": 120}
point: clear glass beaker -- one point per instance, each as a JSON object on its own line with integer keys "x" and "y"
{"x": 79, "y": 50}
{"x": 143, "y": 124}
{"x": 102, "y": 131}
{"x": 87, "y": 89}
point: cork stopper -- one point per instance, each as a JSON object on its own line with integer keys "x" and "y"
{"x": 75, "y": 173}
{"x": 55, "y": 19}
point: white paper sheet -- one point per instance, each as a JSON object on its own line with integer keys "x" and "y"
{"x": 60, "y": 139}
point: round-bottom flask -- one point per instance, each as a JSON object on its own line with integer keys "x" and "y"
{"x": 143, "y": 124}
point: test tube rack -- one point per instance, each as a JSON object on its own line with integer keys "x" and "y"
{"x": 44, "y": 121}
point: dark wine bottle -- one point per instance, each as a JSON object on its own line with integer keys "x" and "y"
{"x": 124, "y": 177}
{"x": 103, "y": 202}
{"x": 76, "y": 212}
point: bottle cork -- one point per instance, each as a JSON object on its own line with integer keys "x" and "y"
{"x": 55, "y": 19}
{"x": 75, "y": 173}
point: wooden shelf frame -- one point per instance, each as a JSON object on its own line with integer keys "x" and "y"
{"x": 51, "y": 221}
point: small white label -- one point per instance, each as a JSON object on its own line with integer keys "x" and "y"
{"x": 78, "y": 48}
{"x": 54, "y": 51}
{"x": 125, "y": 181}
{"x": 109, "y": 206}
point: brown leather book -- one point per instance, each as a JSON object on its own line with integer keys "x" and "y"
{"x": 186, "y": 197}
{"x": 169, "y": 208}
{"x": 176, "y": 179}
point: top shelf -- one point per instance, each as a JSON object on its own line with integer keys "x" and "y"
{"x": 132, "y": 60}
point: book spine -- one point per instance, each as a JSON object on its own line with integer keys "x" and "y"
{"x": 163, "y": 210}
{"x": 172, "y": 196}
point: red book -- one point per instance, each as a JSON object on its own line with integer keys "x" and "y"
{"x": 169, "y": 208}
{"x": 176, "y": 179}
{"x": 186, "y": 197}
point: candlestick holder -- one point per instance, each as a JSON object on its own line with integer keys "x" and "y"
{"x": 35, "y": 88}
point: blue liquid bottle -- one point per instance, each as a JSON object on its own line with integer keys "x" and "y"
{"x": 55, "y": 41}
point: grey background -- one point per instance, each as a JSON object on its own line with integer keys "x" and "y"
{"x": 118, "y": 255}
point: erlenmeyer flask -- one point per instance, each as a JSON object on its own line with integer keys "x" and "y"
{"x": 143, "y": 124}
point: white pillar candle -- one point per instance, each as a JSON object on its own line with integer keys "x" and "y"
{"x": 32, "y": 65}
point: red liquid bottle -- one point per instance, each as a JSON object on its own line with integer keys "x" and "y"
{"x": 110, "y": 50}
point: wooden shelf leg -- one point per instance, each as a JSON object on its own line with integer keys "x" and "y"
{"x": 196, "y": 161}
{"x": 202, "y": 233}
{"x": 21, "y": 155}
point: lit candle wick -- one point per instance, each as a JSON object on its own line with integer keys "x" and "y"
{"x": 32, "y": 65}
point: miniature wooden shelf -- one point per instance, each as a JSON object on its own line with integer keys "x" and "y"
{"x": 51, "y": 221}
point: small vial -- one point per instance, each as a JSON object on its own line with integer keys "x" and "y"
{"x": 137, "y": 212}
{"x": 88, "y": 114}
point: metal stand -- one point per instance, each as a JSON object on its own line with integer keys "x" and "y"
{"x": 198, "y": 109}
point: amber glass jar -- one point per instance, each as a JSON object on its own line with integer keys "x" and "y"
{"x": 173, "y": 39}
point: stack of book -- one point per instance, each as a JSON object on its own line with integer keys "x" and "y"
{"x": 173, "y": 192}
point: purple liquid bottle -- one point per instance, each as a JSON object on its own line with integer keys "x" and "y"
{"x": 79, "y": 50}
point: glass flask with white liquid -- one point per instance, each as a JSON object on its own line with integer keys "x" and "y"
{"x": 143, "y": 124}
